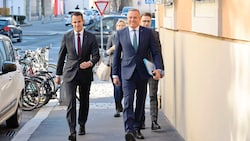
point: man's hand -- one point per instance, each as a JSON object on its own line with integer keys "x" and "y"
{"x": 57, "y": 80}
{"x": 85, "y": 65}
{"x": 116, "y": 81}
{"x": 157, "y": 74}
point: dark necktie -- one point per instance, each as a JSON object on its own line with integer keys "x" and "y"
{"x": 79, "y": 44}
{"x": 135, "y": 40}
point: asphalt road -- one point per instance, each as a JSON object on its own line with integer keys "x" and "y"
{"x": 36, "y": 35}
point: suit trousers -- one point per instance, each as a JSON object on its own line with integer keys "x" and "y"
{"x": 153, "y": 89}
{"x": 118, "y": 93}
{"x": 133, "y": 117}
{"x": 70, "y": 89}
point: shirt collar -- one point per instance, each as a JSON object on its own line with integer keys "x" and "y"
{"x": 81, "y": 32}
{"x": 131, "y": 29}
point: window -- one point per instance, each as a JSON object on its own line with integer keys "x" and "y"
{"x": 2, "y": 55}
{"x": 9, "y": 51}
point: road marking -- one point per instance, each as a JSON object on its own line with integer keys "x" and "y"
{"x": 28, "y": 129}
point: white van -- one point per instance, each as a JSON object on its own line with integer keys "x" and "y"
{"x": 67, "y": 18}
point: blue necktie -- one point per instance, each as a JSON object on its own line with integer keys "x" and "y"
{"x": 135, "y": 41}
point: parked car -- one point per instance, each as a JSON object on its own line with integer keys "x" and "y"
{"x": 108, "y": 22}
{"x": 125, "y": 10}
{"x": 11, "y": 84}
{"x": 10, "y": 28}
{"x": 92, "y": 16}
{"x": 87, "y": 18}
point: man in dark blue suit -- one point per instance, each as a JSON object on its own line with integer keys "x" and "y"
{"x": 133, "y": 44}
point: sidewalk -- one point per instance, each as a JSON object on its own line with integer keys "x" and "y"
{"x": 50, "y": 122}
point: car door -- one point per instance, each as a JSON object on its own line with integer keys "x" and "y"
{"x": 8, "y": 86}
{"x": 15, "y": 27}
{"x": 108, "y": 29}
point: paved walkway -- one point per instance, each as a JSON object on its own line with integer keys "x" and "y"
{"x": 50, "y": 122}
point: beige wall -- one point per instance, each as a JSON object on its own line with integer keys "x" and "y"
{"x": 235, "y": 21}
{"x": 184, "y": 14}
{"x": 206, "y": 92}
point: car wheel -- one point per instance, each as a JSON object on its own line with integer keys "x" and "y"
{"x": 20, "y": 37}
{"x": 15, "y": 120}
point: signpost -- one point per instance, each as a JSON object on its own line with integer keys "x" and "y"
{"x": 101, "y": 6}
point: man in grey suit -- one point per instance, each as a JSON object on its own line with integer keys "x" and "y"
{"x": 146, "y": 19}
{"x": 81, "y": 51}
{"x": 133, "y": 44}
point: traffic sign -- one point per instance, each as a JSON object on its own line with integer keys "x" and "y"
{"x": 101, "y": 6}
{"x": 149, "y": 1}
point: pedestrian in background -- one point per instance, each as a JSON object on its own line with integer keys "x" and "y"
{"x": 78, "y": 54}
{"x": 118, "y": 94}
{"x": 133, "y": 44}
{"x": 146, "y": 19}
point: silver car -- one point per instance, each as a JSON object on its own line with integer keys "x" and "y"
{"x": 11, "y": 84}
{"x": 67, "y": 18}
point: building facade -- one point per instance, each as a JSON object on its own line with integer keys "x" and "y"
{"x": 206, "y": 50}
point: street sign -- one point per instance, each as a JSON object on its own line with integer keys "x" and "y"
{"x": 101, "y": 6}
{"x": 149, "y": 1}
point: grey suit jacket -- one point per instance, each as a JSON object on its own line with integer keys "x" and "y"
{"x": 68, "y": 61}
{"x": 132, "y": 60}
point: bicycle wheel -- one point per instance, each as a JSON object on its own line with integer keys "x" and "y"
{"x": 31, "y": 96}
{"x": 40, "y": 81}
{"x": 52, "y": 68}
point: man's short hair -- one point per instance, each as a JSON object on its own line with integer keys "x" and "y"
{"x": 147, "y": 14}
{"x": 76, "y": 14}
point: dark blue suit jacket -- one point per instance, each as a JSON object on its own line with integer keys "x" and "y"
{"x": 130, "y": 60}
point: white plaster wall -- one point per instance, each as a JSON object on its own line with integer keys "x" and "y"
{"x": 205, "y": 17}
{"x": 16, "y": 7}
{"x": 206, "y": 94}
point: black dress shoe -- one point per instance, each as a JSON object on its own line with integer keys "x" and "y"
{"x": 138, "y": 134}
{"x": 155, "y": 126}
{"x": 130, "y": 136}
{"x": 82, "y": 130}
{"x": 72, "y": 137}
{"x": 117, "y": 113}
{"x": 143, "y": 126}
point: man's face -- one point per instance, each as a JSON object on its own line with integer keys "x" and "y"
{"x": 133, "y": 19}
{"x": 145, "y": 21}
{"x": 77, "y": 23}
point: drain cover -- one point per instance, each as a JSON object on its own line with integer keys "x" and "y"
{"x": 10, "y": 133}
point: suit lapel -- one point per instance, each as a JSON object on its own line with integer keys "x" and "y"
{"x": 140, "y": 37}
{"x": 72, "y": 42}
{"x": 84, "y": 41}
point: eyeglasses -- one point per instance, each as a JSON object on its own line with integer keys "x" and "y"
{"x": 146, "y": 21}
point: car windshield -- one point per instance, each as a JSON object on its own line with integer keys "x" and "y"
{"x": 126, "y": 9}
{"x": 88, "y": 13}
{"x": 3, "y": 22}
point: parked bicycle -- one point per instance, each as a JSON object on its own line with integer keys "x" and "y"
{"x": 39, "y": 78}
